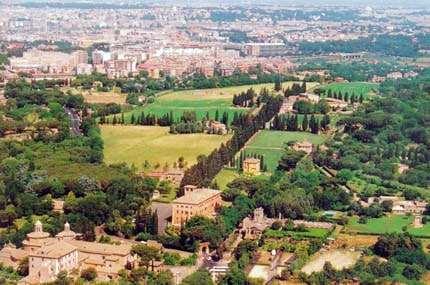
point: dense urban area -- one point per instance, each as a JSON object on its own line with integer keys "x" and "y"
{"x": 214, "y": 143}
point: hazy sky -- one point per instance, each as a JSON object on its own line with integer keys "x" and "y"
{"x": 221, "y": 3}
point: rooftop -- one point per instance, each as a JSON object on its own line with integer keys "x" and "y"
{"x": 100, "y": 248}
{"x": 196, "y": 197}
{"x": 55, "y": 250}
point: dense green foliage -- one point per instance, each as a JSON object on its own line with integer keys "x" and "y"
{"x": 389, "y": 130}
{"x": 392, "y": 45}
{"x": 64, "y": 166}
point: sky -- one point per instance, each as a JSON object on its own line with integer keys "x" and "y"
{"x": 221, "y": 3}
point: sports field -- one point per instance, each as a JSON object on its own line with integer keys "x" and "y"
{"x": 357, "y": 88}
{"x": 388, "y": 224}
{"x": 201, "y": 101}
{"x": 135, "y": 144}
{"x": 271, "y": 144}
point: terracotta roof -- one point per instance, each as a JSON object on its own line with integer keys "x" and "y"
{"x": 10, "y": 256}
{"x": 197, "y": 196}
{"x": 100, "y": 248}
{"x": 55, "y": 250}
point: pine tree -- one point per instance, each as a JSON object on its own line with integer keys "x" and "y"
{"x": 122, "y": 119}
{"x": 114, "y": 120}
{"x": 216, "y": 115}
{"x": 305, "y": 123}
{"x": 133, "y": 119}
{"x": 329, "y": 93}
{"x": 361, "y": 98}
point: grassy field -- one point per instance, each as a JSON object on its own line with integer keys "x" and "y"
{"x": 388, "y": 224}
{"x": 201, "y": 101}
{"x": 95, "y": 97}
{"x": 225, "y": 176}
{"x": 135, "y": 144}
{"x": 271, "y": 144}
{"x": 357, "y": 88}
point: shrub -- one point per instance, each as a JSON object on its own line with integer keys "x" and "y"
{"x": 89, "y": 274}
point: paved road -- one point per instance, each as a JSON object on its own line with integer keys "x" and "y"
{"x": 75, "y": 121}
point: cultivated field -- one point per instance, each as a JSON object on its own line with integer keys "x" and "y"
{"x": 135, "y": 144}
{"x": 357, "y": 88}
{"x": 271, "y": 144}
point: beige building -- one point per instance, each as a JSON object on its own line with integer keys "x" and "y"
{"x": 251, "y": 166}
{"x": 48, "y": 256}
{"x": 195, "y": 202}
{"x": 304, "y": 146}
{"x": 173, "y": 175}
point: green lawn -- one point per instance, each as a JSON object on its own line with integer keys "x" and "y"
{"x": 271, "y": 144}
{"x": 135, "y": 144}
{"x": 201, "y": 101}
{"x": 225, "y": 176}
{"x": 357, "y": 88}
{"x": 388, "y": 224}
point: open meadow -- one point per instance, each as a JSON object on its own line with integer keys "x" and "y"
{"x": 271, "y": 144}
{"x": 388, "y": 224}
{"x": 96, "y": 97}
{"x": 201, "y": 101}
{"x": 225, "y": 176}
{"x": 137, "y": 144}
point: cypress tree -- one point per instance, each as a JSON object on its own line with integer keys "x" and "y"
{"x": 312, "y": 123}
{"x": 305, "y": 123}
{"x": 278, "y": 85}
{"x": 114, "y": 120}
{"x": 303, "y": 88}
{"x": 216, "y": 115}
{"x": 133, "y": 119}
{"x": 296, "y": 123}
